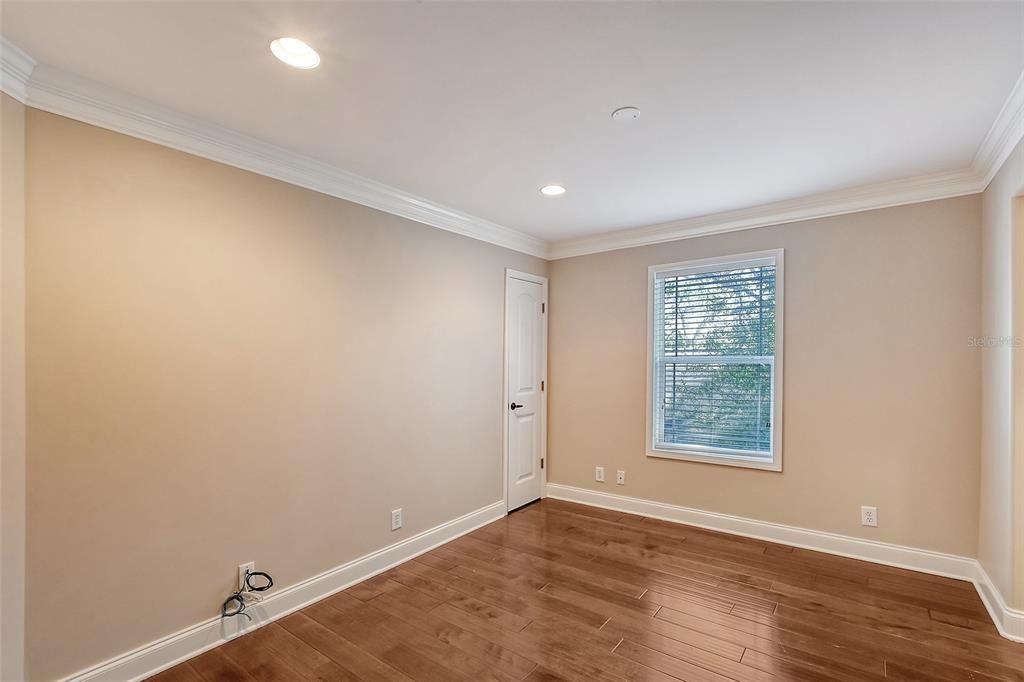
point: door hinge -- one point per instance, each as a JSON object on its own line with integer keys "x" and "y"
{"x": 541, "y": 462}
{"x": 543, "y": 307}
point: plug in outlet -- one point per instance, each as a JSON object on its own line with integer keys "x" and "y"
{"x": 243, "y": 570}
{"x": 620, "y": 477}
{"x": 869, "y": 516}
{"x": 599, "y": 474}
{"x": 396, "y": 519}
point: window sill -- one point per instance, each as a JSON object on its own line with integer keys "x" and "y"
{"x": 724, "y": 460}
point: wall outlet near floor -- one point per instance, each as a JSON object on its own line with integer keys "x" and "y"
{"x": 599, "y": 474}
{"x": 244, "y": 570}
{"x": 869, "y": 516}
{"x": 396, "y": 519}
{"x": 620, "y": 477}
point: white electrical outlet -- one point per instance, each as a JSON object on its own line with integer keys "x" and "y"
{"x": 599, "y": 474}
{"x": 869, "y": 516}
{"x": 620, "y": 477}
{"x": 243, "y": 570}
{"x": 396, "y": 519}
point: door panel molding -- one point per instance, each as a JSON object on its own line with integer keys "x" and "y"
{"x": 508, "y": 382}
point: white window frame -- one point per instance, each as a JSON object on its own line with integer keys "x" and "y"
{"x": 699, "y": 453}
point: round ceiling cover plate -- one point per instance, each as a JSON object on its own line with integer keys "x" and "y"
{"x": 626, "y": 114}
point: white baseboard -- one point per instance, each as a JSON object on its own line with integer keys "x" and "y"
{"x": 164, "y": 653}
{"x": 1009, "y": 621}
{"x": 192, "y": 641}
{"x": 843, "y": 545}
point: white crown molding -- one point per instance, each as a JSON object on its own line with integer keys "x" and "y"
{"x": 52, "y": 90}
{"x": 1004, "y": 134}
{"x": 15, "y": 70}
{"x": 61, "y": 93}
{"x": 1009, "y": 622}
{"x": 185, "y": 644}
{"x": 1006, "y": 131}
{"x": 853, "y": 200}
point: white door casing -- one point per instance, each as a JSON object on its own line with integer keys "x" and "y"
{"x": 525, "y": 389}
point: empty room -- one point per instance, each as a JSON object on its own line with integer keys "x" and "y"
{"x": 463, "y": 341}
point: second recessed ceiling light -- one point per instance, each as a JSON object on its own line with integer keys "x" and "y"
{"x": 294, "y": 52}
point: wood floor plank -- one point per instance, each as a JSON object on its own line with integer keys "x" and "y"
{"x": 262, "y": 662}
{"x": 640, "y": 567}
{"x": 680, "y": 669}
{"x": 786, "y": 670}
{"x": 895, "y": 646}
{"x": 543, "y": 675}
{"x": 667, "y": 637}
{"x": 463, "y": 599}
{"x": 605, "y": 603}
{"x": 436, "y": 649}
{"x": 435, "y": 562}
{"x": 561, "y": 592}
{"x": 425, "y": 643}
{"x": 521, "y": 561}
{"x": 673, "y": 556}
{"x": 581, "y": 648}
{"x": 724, "y": 659}
{"x": 719, "y": 600}
{"x": 564, "y": 662}
{"x": 914, "y": 626}
{"x": 300, "y": 656}
{"x": 368, "y": 589}
{"x": 340, "y": 650}
{"x": 214, "y": 666}
{"x": 517, "y": 597}
{"x": 793, "y": 646}
{"x": 367, "y": 628}
{"x": 951, "y": 602}
{"x": 512, "y": 664}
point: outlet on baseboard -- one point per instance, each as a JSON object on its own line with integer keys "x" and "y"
{"x": 620, "y": 477}
{"x": 396, "y": 519}
{"x": 869, "y": 516}
{"x": 244, "y": 570}
{"x": 599, "y": 474}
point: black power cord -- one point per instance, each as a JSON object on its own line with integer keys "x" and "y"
{"x": 236, "y": 603}
{"x": 249, "y": 575}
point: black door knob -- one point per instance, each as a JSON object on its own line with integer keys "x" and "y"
{"x": 514, "y": 406}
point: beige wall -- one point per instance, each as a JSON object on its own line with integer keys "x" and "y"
{"x": 12, "y": 388}
{"x": 225, "y": 368}
{"x": 996, "y": 514}
{"x": 881, "y": 386}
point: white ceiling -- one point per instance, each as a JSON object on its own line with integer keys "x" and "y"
{"x": 477, "y": 105}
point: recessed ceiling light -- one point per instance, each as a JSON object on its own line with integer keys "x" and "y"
{"x": 552, "y": 190}
{"x": 294, "y": 52}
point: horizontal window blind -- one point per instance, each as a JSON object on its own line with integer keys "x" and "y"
{"x": 714, "y": 359}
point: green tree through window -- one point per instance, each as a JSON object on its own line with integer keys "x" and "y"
{"x": 715, "y": 351}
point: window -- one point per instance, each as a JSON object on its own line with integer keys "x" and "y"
{"x": 716, "y": 361}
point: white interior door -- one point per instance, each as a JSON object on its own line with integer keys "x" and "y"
{"x": 526, "y": 365}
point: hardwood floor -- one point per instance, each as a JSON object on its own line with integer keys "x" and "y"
{"x": 560, "y": 591}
